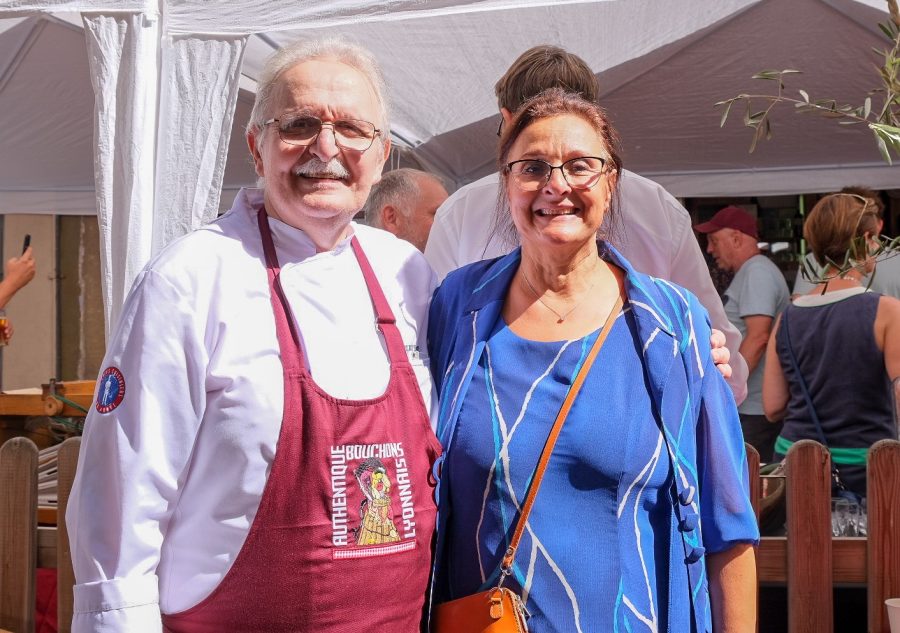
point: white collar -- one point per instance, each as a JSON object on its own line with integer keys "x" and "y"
{"x": 817, "y": 299}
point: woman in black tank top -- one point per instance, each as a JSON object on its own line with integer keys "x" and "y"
{"x": 838, "y": 330}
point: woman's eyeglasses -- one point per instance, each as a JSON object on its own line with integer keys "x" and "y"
{"x": 582, "y": 172}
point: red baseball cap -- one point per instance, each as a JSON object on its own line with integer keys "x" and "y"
{"x": 731, "y": 217}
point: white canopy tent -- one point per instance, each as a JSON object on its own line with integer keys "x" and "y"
{"x": 146, "y": 128}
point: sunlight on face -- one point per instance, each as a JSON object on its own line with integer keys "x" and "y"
{"x": 556, "y": 215}
{"x": 329, "y": 90}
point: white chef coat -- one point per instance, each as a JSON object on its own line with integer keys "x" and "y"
{"x": 656, "y": 237}
{"x": 170, "y": 480}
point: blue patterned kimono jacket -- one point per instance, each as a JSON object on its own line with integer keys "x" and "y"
{"x": 693, "y": 410}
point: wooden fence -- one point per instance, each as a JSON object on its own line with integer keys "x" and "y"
{"x": 24, "y": 546}
{"x": 808, "y": 560}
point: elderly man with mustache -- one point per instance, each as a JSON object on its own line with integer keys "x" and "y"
{"x": 258, "y": 364}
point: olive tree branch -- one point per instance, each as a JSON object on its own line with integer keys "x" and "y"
{"x": 883, "y": 123}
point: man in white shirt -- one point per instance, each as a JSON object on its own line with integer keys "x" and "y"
{"x": 260, "y": 449}
{"x": 756, "y": 296}
{"x": 655, "y": 235}
{"x": 404, "y": 203}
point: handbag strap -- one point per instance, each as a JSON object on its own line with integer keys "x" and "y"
{"x": 509, "y": 556}
{"x": 835, "y": 473}
{"x": 802, "y": 382}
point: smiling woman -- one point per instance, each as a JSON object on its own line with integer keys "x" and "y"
{"x": 557, "y": 213}
{"x": 604, "y": 546}
{"x": 584, "y": 131}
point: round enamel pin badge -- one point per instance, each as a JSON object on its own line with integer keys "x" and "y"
{"x": 111, "y": 391}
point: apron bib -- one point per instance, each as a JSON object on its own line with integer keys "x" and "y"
{"x": 342, "y": 537}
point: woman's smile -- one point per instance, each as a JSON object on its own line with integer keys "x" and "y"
{"x": 552, "y": 212}
{"x": 555, "y": 212}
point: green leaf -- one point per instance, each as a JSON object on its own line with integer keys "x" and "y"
{"x": 889, "y": 133}
{"x": 828, "y": 104}
{"x": 756, "y": 118}
{"x": 882, "y": 147}
{"x": 752, "y": 120}
{"x": 725, "y": 113}
{"x": 895, "y": 145}
{"x": 757, "y": 135}
{"x": 810, "y": 272}
{"x": 886, "y": 30}
{"x": 768, "y": 75}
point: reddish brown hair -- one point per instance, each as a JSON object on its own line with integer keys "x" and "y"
{"x": 837, "y": 223}
{"x": 551, "y": 103}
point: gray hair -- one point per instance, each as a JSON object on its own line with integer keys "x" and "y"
{"x": 333, "y": 48}
{"x": 397, "y": 188}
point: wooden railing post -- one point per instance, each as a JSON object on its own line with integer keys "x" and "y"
{"x": 895, "y": 393}
{"x": 755, "y": 482}
{"x": 755, "y": 494}
{"x": 65, "y": 577}
{"x": 18, "y": 534}
{"x": 810, "y": 605}
{"x": 883, "y": 505}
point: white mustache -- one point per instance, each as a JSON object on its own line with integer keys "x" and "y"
{"x": 315, "y": 167}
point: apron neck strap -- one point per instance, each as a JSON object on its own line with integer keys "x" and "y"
{"x": 384, "y": 317}
{"x": 285, "y": 325}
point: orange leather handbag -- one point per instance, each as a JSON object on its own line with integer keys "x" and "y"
{"x": 500, "y": 610}
{"x": 496, "y": 611}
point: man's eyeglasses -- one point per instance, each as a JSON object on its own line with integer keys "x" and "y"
{"x": 582, "y": 172}
{"x": 304, "y": 129}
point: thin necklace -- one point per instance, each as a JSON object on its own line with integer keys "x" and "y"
{"x": 564, "y": 316}
{"x": 856, "y": 279}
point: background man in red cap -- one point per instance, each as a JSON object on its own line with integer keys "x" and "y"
{"x": 752, "y": 301}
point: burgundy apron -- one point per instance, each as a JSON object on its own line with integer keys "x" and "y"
{"x": 342, "y": 537}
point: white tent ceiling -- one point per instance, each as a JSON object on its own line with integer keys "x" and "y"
{"x": 144, "y": 90}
